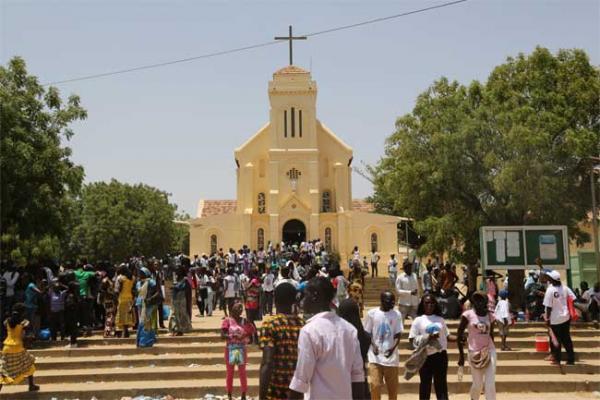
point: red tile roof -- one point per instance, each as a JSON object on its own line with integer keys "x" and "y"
{"x": 218, "y": 207}
{"x": 362, "y": 205}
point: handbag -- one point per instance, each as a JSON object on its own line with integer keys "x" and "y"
{"x": 235, "y": 354}
{"x": 479, "y": 359}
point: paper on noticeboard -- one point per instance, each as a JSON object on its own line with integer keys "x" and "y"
{"x": 499, "y": 235}
{"x": 513, "y": 248}
{"x": 548, "y": 247}
{"x": 500, "y": 250}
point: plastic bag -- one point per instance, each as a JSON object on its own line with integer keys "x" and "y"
{"x": 44, "y": 334}
{"x": 572, "y": 311}
{"x": 166, "y": 312}
{"x": 236, "y": 354}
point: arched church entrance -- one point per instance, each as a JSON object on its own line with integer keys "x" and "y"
{"x": 294, "y": 231}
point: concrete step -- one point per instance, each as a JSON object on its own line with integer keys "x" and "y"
{"x": 216, "y": 346}
{"x": 215, "y": 371}
{"x": 203, "y": 337}
{"x": 525, "y": 357}
{"x": 193, "y": 388}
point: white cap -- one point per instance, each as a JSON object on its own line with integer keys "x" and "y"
{"x": 555, "y": 275}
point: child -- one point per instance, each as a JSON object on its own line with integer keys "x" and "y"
{"x": 503, "y": 318}
{"x": 16, "y": 363}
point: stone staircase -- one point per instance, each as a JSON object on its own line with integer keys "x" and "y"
{"x": 373, "y": 289}
{"x": 192, "y": 366}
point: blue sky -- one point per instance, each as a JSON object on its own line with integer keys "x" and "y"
{"x": 176, "y": 127}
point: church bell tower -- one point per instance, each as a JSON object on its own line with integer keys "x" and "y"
{"x": 293, "y": 97}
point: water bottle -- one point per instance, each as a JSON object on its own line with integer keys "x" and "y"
{"x": 460, "y": 373}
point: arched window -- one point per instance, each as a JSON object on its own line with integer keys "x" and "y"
{"x": 328, "y": 239}
{"x": 374, "y": 244}
{"x": 260, "y": 238}
{"x": 326, "y": 201}
{"x": 261, "y": 203}
{"x": 213, "y": 244}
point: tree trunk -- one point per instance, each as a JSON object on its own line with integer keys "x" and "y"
{"x": 516, "y": 291}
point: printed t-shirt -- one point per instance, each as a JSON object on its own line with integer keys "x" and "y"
{"x": 383, "y": 326}
{"x": 556, "y": 297}
{"x": 479, "y": 330}
{"x": 421, "y": 323}
{"x": 237, "y": 333}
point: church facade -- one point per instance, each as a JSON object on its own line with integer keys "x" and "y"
{"x": 294, "y": 183}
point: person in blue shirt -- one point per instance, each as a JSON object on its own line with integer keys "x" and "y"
{"x": 32, "y": 298}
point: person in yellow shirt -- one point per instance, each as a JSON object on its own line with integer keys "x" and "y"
{"x": 16, "y": 363}
{"x": 124, "y": 289}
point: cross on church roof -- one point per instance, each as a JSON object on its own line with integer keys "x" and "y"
{"x": 290, "y": 38}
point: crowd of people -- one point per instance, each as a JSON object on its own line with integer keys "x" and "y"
{"x": 316, "y": 337}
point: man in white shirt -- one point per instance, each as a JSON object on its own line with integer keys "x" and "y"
{"x": 11, "y": 277}
{"x": 231, "y": 288}
{"x": 268, "y": 286}
{"x": 232, "y": 259}
{"x": 558, "y": 316}
{"x": 285, "y": 276}
{"x": 407, "y": 287}
{"x": 329, "y": 365}
{"x": 392, "y": 269}
{"x": 384, "y": 324}
{"x": 591, "y": 297}
{"x": 374, "y": 263}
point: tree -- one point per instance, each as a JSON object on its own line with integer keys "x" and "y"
{"x": 509, "y": 151}
{"x": 118, "y": 220}
{"x": 38, "y": 178}
{"x": 181, "y": 242}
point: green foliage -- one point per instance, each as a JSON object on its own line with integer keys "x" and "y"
{"x": 181, "y": 242}
{"x": 38, "y": 179}
{"x": 118, "y": 220}
{"x": 512, "y": 150}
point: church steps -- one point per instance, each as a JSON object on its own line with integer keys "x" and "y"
{"x": 215, "y": 371}
{"x": 217, "y": 347}
{"x": 254, "y": 356}
{"x": 193, "y": 388}
{"x": 517, "y": 331}
{"x": 192, "y": 365}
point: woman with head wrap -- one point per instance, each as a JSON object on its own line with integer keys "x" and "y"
{"x": 150, "y": 297}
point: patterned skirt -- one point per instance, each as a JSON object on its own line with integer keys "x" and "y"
{"x": 109, "y": 318}
{"x": 14, "y": 367}
{"x": 124, "y": 314}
